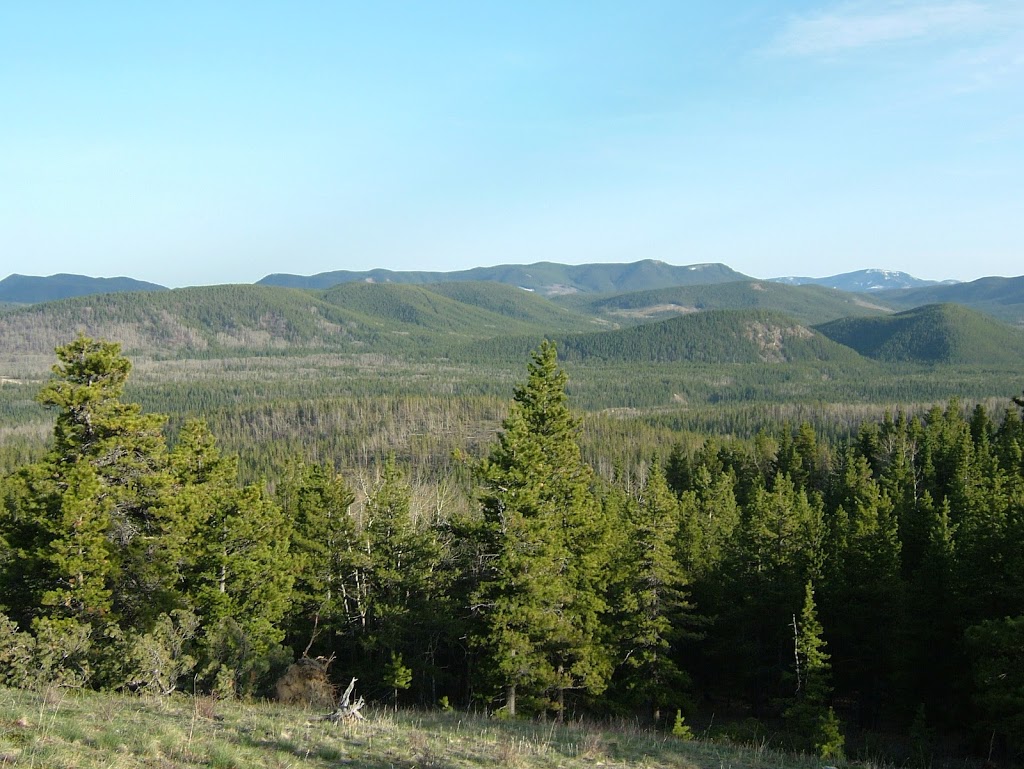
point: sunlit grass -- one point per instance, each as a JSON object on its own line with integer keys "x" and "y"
{"x": 59, "y": 728}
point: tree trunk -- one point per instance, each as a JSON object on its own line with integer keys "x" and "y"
{"x": 510, "y": 699}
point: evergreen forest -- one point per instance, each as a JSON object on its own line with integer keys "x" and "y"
{"x": 847, "y": 576}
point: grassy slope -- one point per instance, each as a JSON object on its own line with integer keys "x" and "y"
{"x": 938, "y": 333}
{"x": 807, "y": 304}
{"x": 85, "y": 730}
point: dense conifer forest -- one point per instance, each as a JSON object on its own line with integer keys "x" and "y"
{"x": 844, "y": 580}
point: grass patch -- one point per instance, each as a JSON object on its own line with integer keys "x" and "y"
{"x": 86, "y": 729}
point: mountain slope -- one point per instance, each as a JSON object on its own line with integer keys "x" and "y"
{"x": 30, "y": 289}
{"x": 713, "y": 337}
{"x": 474, "y": 309}
{"x": 1002, "y": 298}
{"x": 939, "y": 333}
{"x": 548, "y": 278}
{"x": 216, "y": 320}
{"x": 808, "y": 304}
{"x": 189, "y": 321}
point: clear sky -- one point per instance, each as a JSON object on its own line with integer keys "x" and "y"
{"x": 211, "y": 142}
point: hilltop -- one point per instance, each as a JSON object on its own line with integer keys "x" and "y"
{"x": 938, "y": 333}
{"x": 29, "y": 289}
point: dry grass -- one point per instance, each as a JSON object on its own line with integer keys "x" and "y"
{"x": 58, "y": 728}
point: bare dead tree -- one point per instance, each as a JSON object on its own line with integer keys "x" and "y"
{"x": 347, "y": 710}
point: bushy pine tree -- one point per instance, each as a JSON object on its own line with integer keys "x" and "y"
{"x": 540, "y": 596}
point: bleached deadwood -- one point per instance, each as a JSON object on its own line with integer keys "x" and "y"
{"x": 347, "y": 710}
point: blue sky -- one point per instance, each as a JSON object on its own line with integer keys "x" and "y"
{"x": 211, "y": 142}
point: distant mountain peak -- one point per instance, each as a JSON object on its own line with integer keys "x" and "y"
{"x": 869, "y": 280}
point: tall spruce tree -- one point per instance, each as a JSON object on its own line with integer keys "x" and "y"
{"x": 324, "y": 552}
{"x": 809, "y": 715}
{"x": 651, "y": 609}
{"x": 540, "y": 597}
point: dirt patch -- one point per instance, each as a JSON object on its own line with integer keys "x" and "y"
{"x": 654, "y": 310}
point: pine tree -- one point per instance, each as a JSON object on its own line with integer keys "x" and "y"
{"x": 651, "y": 609}
{"x": 809, "y": 715}
{"x": 239, "y": 576}
{"x": 324, "y": 549}
{"x": 127, "y": 452}
{"x": 541, "y": 595}
{"x": 778, "y": 548}
{"x": 863, "y": 595}
{"x": 402, "y": 583}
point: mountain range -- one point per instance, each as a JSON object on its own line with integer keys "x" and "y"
{"x": 866, "y": 280}
{"x": 648, "y": 310}
{"x": 551, "y": 279}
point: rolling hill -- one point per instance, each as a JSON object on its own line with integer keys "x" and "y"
{"x": 712, "y": 337}
{"x": 470, "y": 309}
{"x": 217, "y": 320}
{"x": 807, "y": 304}
{"x": 548, "y": 278}
{"x": 30, "y": 289}
{"x": 1002, "y": 298}
{"x": 938, "y": 333}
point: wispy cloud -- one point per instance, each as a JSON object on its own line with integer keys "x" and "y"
{"x": 854, "y": 26}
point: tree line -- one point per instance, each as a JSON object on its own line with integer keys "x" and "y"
{"x": 823, "y": 588}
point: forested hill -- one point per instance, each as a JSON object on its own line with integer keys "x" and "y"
{"x": 715, "y": 337}
{"x": 29, "y": 289}
{"x": 548, "y": 278}
{"x": 807, "y": 304}
{"x": 479, "y": 309}
{"x": 938, "y": 333}
{"x": 214, "y": 320}
{"x": 1002, "y": 298}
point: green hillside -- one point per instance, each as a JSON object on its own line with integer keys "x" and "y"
{"x": 471, "y": 310}
{"x": 1002, "y": 298}
{"x": 713, "y": 337}
{"x": 513, "y": 302}
{"x": 547, "y": 278}
{"x": 29, "y": 289}
{"x": 938, "y": 333}
{"x": 190, "y": 321}
{"x": 807, "y": 304}
{"x": 211, "y": 321}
